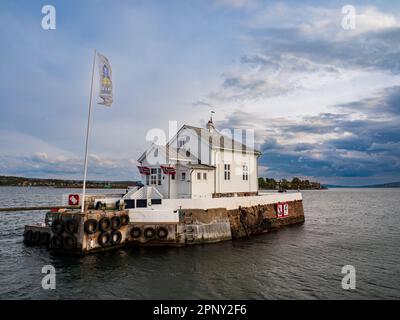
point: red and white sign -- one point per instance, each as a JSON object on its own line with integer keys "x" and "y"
{"x": 282, "y": 210}
{"x": 73, "y": 199}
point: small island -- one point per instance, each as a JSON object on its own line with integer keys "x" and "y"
{"x": 294, "y": 184}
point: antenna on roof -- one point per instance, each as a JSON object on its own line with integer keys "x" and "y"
{"x": 210, "y": 123}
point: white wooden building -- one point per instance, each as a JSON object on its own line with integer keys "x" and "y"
{"x": 201, "y": 163}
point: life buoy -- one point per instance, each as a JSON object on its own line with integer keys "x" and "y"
{"x": 116, "y": 237}
{"x": 91, "y": 226}
{"x": 56, "y": 241}
{"x": 57, "y": 226}
{"x": 45, "y": 238}
{"x": 115, "y": 222}
{"x": 70, "y": 242}
{"x": 124, "y": 219}
{"x": 136, "y": 232}
{"x": 162, "y": 233}
{"x": 104, "y": 239}
{"x": 105, "y": 224}
{"x": 149, "y": 233}
{"x": 28, "y": 236}
{"x": 71, "y": 225}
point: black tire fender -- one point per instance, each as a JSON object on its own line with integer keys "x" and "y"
{"x": 57, "y": 226}
{"x": 71, "y": 225}
{"x": 104, "y": 239}
{"x": 116, "y": 222}
{"x": 136, "y": 232}
{"x": 124, "y": 219}
{"x": 45, "y": 238}
{"x": 91, "y": 226}
{"x": 105, "y": 224}
{"x": 149, "y": 233}
{"x": 36, "y": 237}
{"x": 116, "y": 237}
{"x": 57, "y": 241}
{"x": 70, "y": 242}
{"x": 162, "y": 233}
{"x": 28, "y": 235}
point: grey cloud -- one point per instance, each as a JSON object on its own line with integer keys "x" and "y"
{"x": 365, "y": 148}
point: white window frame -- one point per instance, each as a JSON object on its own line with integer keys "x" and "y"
{"x": 155, "y": 176}
{"x": 245, "y": 174}
{"x": 227, "y": 171}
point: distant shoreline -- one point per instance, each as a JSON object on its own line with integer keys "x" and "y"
{"x": 13, "y": 181}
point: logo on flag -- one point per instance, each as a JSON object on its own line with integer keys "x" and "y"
{"x": 105, "y": 75}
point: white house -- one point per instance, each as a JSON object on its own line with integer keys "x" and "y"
{"x": 200, "y": 163}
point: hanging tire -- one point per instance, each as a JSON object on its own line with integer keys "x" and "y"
{"x": 91, "y": 226}
{"x": 162, "y": 233}
{"x": 28, "y": 236}
{"x": 105, "y": 224}
{"x": 99, "y": 205}
{"x": 45, "y": 238}
{"x": 104, "y": 239}
{"x": 136, "y": 232}
{"x": 70, "y": 242}
{"x": 57, "y": 226}
{"x": 36, "y": 237}
{"x": 116, "y": 238}
{"x": 115, "y": 222}
{"x": 56, "y": 241}
{"x": 71, "y": 225}
{"x": 149, "y": 233}
{"x": 124, "y": 219}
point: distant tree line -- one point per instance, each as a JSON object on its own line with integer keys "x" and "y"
{"x": 60, "y": 183}
{"x": 294, "y": 184}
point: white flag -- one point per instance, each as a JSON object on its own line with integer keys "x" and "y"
{"x": 105, "y": 75}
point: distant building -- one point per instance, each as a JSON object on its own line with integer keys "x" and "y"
{"x": 200, "y": 163}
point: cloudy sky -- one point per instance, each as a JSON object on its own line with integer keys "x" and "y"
{"x": 324, "y": 101}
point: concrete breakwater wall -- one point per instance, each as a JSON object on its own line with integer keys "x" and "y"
{"x": 98, "y": 230}
{"x": 218, "y": 224}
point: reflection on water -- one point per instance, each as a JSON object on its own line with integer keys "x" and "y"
{"x": 359, "y": 227}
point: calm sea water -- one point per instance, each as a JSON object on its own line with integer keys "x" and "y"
{"x": 359, "y": 227}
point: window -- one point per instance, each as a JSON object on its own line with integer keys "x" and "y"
{"x": 159, "y": 175}
{"x": 198, "y": 175}
{"x": 227, "y": 171}
{"x": 155, "y": 153}
{"x": 155, "y": 201}
{"x": 183, "y": 141}
{"x": 155, "y": 176}
{"x": 183, "y": 176}
{"x": 245, "y": 172}
{"x": 173, "y": 176}
{"x": 205, "y": 176}
{"x": 147, "y": 180}
{"x": 141, "y": 203}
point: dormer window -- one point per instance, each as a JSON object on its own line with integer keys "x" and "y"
{"x": 183, "y": 141}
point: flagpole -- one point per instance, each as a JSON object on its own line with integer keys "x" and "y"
{"x": 87, "y": 135}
